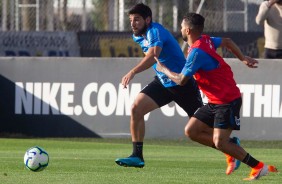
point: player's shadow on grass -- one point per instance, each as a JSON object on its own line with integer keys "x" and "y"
{"x": 34, "y": 125}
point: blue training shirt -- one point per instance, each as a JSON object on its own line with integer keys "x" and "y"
{"x": 171, "y": 55}
{"x": 200, "y": 60}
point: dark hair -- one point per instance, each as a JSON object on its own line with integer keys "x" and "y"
{"x": 194, "y": 21}
{"x": 141, "y": 9}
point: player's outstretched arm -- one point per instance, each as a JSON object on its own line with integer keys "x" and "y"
{"x": 233, "y": 47}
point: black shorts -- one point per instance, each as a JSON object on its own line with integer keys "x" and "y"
{"x": 188, "y": 96}
{"x": 221, "y": 116}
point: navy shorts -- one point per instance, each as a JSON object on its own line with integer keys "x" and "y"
{"x": 188, "y": 96}
{"x": 221, "y": 116}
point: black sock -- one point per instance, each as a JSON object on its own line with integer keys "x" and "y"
{"x": 250, "y": 161}
{"x": 138, "y": 149}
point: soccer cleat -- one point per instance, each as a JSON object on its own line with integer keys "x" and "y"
{"x": 256, "y": 173}
{"x": 272, "y": 168}
{"x": 130, "y": 162}
{"x": 232, "y": 163}
{"x": 236, "y": 140}
{"x": 263, "y": 170}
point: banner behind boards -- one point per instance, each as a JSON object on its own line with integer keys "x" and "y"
{"x": 82, "y": 97}
{"x": 39, "y": 44}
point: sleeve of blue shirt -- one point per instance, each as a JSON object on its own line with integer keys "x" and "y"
{"x": 216, "y": 41}
{"x": 200, "y": 60}
{"x": 154, "y": 38}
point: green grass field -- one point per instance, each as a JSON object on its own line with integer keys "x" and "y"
{"x": 83, "y": 161}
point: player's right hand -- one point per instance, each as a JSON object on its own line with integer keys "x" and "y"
{"x": 127, "y": 78}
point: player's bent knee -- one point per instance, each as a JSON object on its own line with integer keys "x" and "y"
{"x": 189, "y": 132}
{"x": 136, "y": 111}
{"x": 186, "y": 130}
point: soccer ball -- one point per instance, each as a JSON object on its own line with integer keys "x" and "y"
{"x": 36, "y": 159}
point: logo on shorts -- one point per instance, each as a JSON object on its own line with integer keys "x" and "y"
{"x": 237, "y": 120}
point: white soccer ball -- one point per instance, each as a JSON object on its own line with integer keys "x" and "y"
{"x": 36, "y": 159}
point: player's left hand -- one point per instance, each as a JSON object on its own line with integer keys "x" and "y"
{"x": 159, "y": 67}
{"x": 250, "y": 62}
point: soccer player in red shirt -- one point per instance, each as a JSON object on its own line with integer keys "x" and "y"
{"x": 215, "y": 78}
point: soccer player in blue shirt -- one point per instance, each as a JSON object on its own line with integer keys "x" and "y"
{"x": 155, "y": 40}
